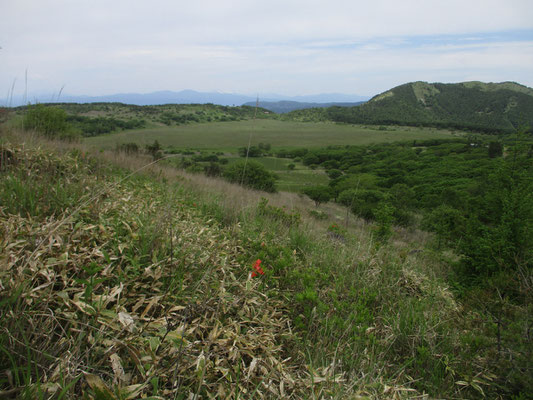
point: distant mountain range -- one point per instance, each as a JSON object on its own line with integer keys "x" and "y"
{"x": 285, "y": 106}
{"x": 490, "y": 107}
{"x": 185, "y": 97}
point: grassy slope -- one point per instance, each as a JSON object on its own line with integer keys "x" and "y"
{"x": 144, "y": 290}
{"x": 291, "y": 181}
{"x": 231, "y": 135}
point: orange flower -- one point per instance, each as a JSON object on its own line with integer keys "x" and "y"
{"x": 258, "y": 269}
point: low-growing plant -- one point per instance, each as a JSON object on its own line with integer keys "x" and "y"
{"x": 278, "y": 213}
{"x": 319, "y": 215}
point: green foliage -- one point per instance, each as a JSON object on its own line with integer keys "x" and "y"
{"x": 503, "y": 108}
{"x": 500, "y": 236}
{"x": 213, "y": 169}
{"x": 319, "y": 194}
{"x": 384, "y": 218}
{"x": 252, "y": 151}
{"x": 264, "y": 146}
{"x": 364, "y": 202}
{"x": 154, "y": 150}
{"x": 495, "y": 149}
{"x": 334, "y": 173}
{"x": 252, "y": 174}
{"x": 50, "y": 121}
{"x": 93, "y": 126}
{"x": 447, "y": 222}
{"x": 278, "y": 213}
{"x": 317, "y": 214}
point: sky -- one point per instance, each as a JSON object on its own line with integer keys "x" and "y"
{"x": 253, "y": 47}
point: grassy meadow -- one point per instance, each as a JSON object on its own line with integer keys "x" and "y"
{"x": 228, "y": 136}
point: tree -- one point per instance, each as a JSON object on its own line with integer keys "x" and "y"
{"x": 499, "y": 239}
{"x": 319, "y": 194}
{"x": 252, "y": 174}
{"x": 495, "y": 149}
{"x": 402, "y": 196}
{"x": 362, "y": 202}
{"x": 446, "y": 222}
{"x": 253, "y": 151}
{"x": 310, "y": 159}
{"x": 334, "y": 173}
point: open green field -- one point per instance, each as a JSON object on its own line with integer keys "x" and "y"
{"x": 291, "y": 181}
{"x": 227, "y": 136}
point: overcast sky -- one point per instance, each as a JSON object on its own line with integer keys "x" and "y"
{"x": 258, "y": 47}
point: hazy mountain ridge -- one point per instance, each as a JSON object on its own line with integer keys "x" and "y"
{"x": 285, "y": 106}
{"x": 181, "y": 97}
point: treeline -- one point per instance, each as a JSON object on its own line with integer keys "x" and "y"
{"x": 93, "y": 126}
{"x": 111, "y": 117}
{"x": 186, "y": 113}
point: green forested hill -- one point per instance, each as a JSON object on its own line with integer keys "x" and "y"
{"x": 485, "y": 107}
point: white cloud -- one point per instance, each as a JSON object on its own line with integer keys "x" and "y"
{"x": 294, "y": 47}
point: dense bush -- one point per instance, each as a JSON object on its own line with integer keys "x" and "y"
{"x": 50, "y": 121}
{"x": 252, "y": 151}
{"x": 319, "y": 194}
{"x": 251, "y": 174}
{"x": 93, "y": 126}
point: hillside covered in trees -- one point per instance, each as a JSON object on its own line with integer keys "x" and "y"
{"x": 477, "y": 106}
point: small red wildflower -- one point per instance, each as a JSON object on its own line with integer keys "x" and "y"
{"x": 258, "y": 269}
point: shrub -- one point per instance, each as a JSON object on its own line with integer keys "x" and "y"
{"x": 50, "y": 121}
{"x": 334, "y": 173}
{"x": 317, "y": 214}
{"x": 213, "y": 169}
{"x": 278, "y": 213}
{"x": 128, "y": 148}
{"x": 383, "y": 214}
{"x": 251, "y": 174}
{"x": 253, "y": 151}
{"x": 154, "y": 150}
